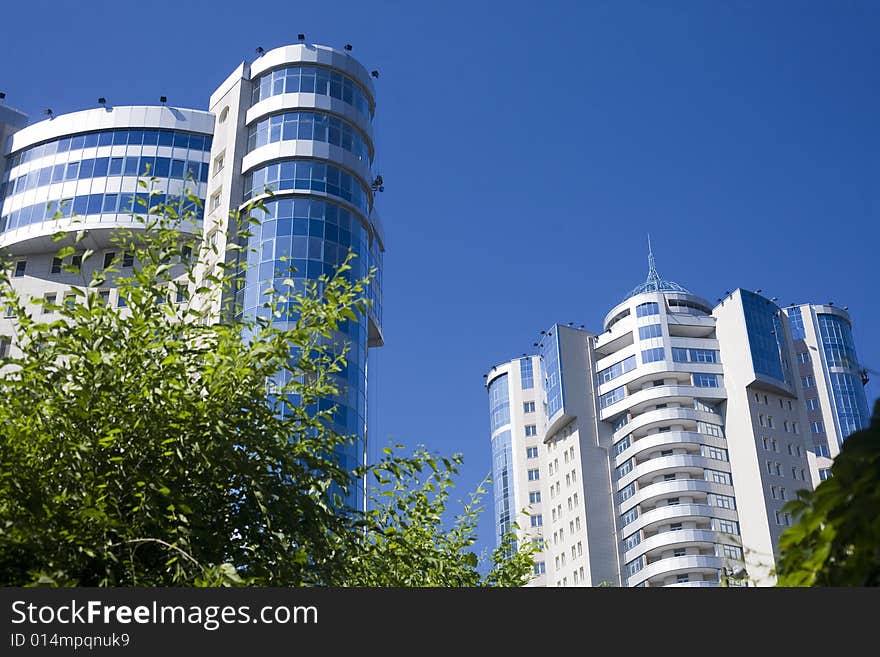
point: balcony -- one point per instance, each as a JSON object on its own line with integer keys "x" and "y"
{"x": 674, "y": 488}
{"x": 693, "y": 464}
{"x": 683, "y": 538}
{"x": 684, "y": 415}
{"x": 679, "y": 513}
{"x": 675, "y": 566}
{"x": 671, "y": 438}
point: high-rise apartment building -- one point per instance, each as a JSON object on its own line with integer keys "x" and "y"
{"x": 292, "y": 129}
{"x": 664, "y": 449}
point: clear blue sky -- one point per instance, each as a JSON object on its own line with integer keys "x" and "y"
{"x": 527, "y": 149}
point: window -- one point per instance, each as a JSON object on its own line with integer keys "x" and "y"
{"x": 669, "y": 477}
{"x": 531, "y": 452}
{"x": 645, "y": 309}
{"x": 568, "y": 480}
{"x": 109, "y": 257}
{"x": 812, "y": 404}
{"x": 76, "y": 261}
{"x": 577, "y": 523}
{"x": 121, "y": 302}
{"x": 679, "y": 579}
{"x": 673, "y": 501}
{"x": 795, "y": 427}
{"x": 782, "y": 494}
{"x": 723, "y": 501}
{"x": 678, "y": 552}
{"x": 574, "y": 475}
{"x": 214, "y": 202}
{"x": 803, "y": 475}
{"x": 775, "y": 445}
{"x": 761, "y": 420}
{"x": 624, "y": 468}
{"x": 773, "y": 492}
{"x": 48, "y": 300}
{"x": 619, "y": 423}
{"x": 631, "y": 541}
{"x": 785, "y": 428}
{"x": 808, "y": 381}
{"x": 650, "y": 331}
{"x": 531, "y": 430}
{"x": 817, "y": 427}
{"x": 611, "y": 397}
{"x": 633, "y": 567}
{"x": 20, "y": 266}
{"x": 529, "y": 407}
{"x": 666, "y": 452}
{"x": 769, "y": 467}
{"x": 822, "y": 450}
{"x": 706, "y": 380}
{"x": 127, "y": 259}
{"x": 714, "y": 452}
{"x": 804, "y": 357}
{"x": 652, "y": 355}
{"x": 824, "y": 473}
{"x": 682, "y": 355}
{"x": 180, "y": 292}
{"x": 534, "y": 496}
{"x": 575, "y": 497}
{"x": 218, "y": 163}
{"x": 732, "y": 552}
{"x": 540, "y": 568}
{"x": 616, "y": 370}
{"x": 630, "y": 516}
{"x": 70, "y": 299}
{"x": 770, "y": 421}
{"x": 104, "y": 296}
{"x": 534, "y": 475}
{"x": 726, "y": 526}
{"x": 766, "y": 443}
{"x": 717, "y": 477}
{"x": 790, "y": 449}
{"x": 766, "y": 401}
{"x": 5, "y": 344}
{"x": 537, "y": 520}
{"x": 56, "y": 266}
{"x": 675, "y": 527}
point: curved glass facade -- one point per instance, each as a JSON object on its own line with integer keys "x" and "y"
{"x": 307, "y": 175}
{"x": 97, "y": 173}
{"x": 499, "y": 403}
{"x": 319, "y": 212}
{"x": 312, "y": 126}
{"x": 847, "y": 391}
{"x": 311, "y": 80}
{"x": 502, "y": 478}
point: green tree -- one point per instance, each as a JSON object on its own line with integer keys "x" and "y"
{"x": 836, "y": 538}
{"x": 152, "y": 445}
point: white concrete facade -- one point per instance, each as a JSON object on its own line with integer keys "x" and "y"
{"x": 675, "y": 438}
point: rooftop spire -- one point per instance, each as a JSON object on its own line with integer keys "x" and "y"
{"x": 653, "y": 283}
{"x": 653, "y": 276}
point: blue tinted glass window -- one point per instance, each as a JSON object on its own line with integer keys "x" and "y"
{"x": 612, "y": 372}
{"x": 166, "y": 138}
{"x": 502, "y": 478}
{"x": 765, "y": 340}
{"x": 652, "y": 355}
{"x": 706, "y": 380}
{"x": 650, "y": 308}
{"x": 527, "y": 378}
{"x": 612, "y": 397}
{"x": 650, "y": 331}
{"x": 499, "y": 402}
{"x": 552, "y": 374}
{"x": 850, "y": 403}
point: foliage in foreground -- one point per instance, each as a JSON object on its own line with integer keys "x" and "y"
{"x": 150, "y": 446}
{"x": 836, "y": 539}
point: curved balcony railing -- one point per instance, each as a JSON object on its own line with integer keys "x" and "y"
{"x": 674, "y": 488}
{"x": 675, "y": 566}
{"x": 674, "y": 463}
{"x": 676, "y": 438}
{"x": 678, "y": 513}
{"x": 680, "y": 538}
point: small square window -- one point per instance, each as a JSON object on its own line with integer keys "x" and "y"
{"x": 127, "y": 259}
